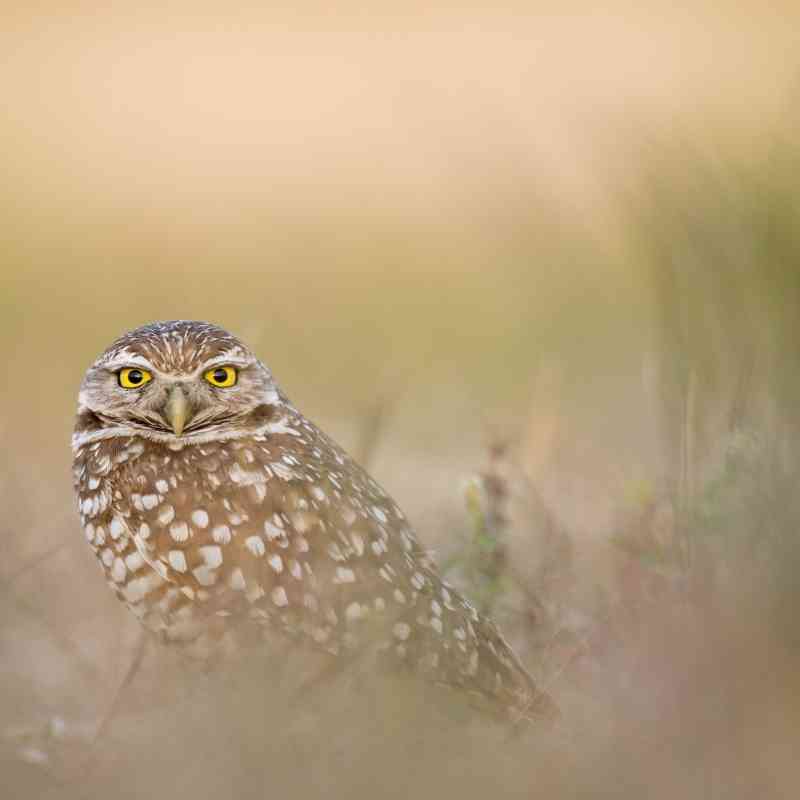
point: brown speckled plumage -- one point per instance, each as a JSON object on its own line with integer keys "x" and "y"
{"x": 252, "y": 518}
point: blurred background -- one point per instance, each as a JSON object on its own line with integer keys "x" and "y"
{"x": 538, "y": 265}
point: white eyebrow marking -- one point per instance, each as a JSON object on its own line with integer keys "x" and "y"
{"x": 233, "y": 361}
{"x": 127, "y": 360}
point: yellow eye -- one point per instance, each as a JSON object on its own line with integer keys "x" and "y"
{"x": 133, "y": 378}
{"x": 222, "y": 377}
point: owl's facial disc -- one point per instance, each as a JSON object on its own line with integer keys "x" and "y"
{"x": 178, "y": 379}
{"x": 213, "y": 399}
{"x": 209, "y": 397}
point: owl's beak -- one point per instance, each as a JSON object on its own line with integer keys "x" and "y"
{"x": 176, "y": 410}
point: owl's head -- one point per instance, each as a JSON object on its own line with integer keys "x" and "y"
{"x": 178, "y": 379}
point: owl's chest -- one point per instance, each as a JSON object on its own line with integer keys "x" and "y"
{"x": 243, "y": 534}
{"x": 147, "y": 514}
{"x": 200, "y": 533}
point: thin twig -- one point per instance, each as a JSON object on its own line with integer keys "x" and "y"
{"x": 34, "y": 562}
{"x": 370, "y": 431}
{"x": 84, "y": 666}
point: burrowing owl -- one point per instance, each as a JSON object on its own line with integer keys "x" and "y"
{"x": 218, "y": 511}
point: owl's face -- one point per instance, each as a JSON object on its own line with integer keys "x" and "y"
{"x": 176, "y": 379}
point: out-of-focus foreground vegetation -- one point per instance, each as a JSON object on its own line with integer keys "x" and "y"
{"x": 541, "y": 270}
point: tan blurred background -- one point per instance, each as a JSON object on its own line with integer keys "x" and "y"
{"x": 569, "y": 227}
{"x": 424, "y": 203}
